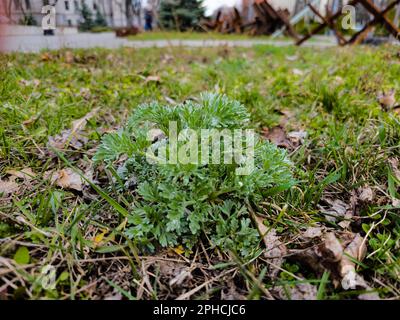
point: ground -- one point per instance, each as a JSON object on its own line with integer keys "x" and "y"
{"x": 330, "y": 108}
{"x": 36, "y": 43}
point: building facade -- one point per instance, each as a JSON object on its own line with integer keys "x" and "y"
{"x": 68, "y": 12}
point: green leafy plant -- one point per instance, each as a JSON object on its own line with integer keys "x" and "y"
{"x": 178, "y": 203}
{"x": 180, "y": 15}
{"x": 87, "y": 22}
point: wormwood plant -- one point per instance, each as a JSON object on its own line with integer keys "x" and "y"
{"x": 178, "y": 203}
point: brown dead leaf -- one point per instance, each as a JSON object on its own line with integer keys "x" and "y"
{"x": 167, "y": 59}
{"x": 337, "y": 256}
{"x": 275, "y": 250}
{"x": 387, "y": 100}
{"x": 287, "y": 115}
{"x": 394, "y": 165}
{"x": 312, "y": 232}
{"x": 278, "y": 136}
{"x": 232, "y": 292}
{"x": 338, "y": 80}
{"x": 292, "y": 58}
{"x": 72, "y": 137}
{"x": 85, "y": 93}
{"x": 298, "y": 72}
{"x": 66, "y": 179}
{"x": 301, "y": 291}
{"x": 337, "y": 209}
{"x": 79, "y": 124}
{"x": 395, "y": 202}
{"x": 29, "y": 121}
{"x": 331, "y": 248}
{"x": 26, "y": 174}
{"x": 350, "y": 279}
{"x": 297, "y": 137}
{"x": 69, "y": 57}
{"x": 156, "y": 79}
{"x": 29, "y": 83}
{"x": 356, "y": 250}
{"x": 366, "y": 194}
{"x": 46, "y": 56}
{"x": 175, "y": 272}
{"x": 8, "y": 187}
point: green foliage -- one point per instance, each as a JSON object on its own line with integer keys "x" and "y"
{"x": 180, "y": 15}
{"x": 22, "y": 256}
{"x": 177, "y": 203}
{"x": 87, "y": 17}
{"x": 28, "y": 20}
{"x": 100, "y": 20}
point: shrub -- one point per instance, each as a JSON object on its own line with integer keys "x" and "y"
{"x": 178, "y": 203}
{"x": 180, "y": 15}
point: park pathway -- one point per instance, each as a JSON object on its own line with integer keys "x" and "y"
{"x": 35, "y": 43}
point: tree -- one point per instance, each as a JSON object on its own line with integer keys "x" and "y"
{"x": 180, "y": 14}
{"x": 28, "y": 20}
{"x": 132, "y": 10}
{"x": 100, "y": 21}
{"x": 87, "y": 18}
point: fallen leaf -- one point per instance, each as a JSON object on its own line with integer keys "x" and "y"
{"x": 72, "y": 137}
{"x": 331, "y": 248}
{"x": 337, "y": 256}
{"x": 114, "y": 297}
{"x": 26, "y": 174}
{"x": 28, "y": 83}
{"x": 300, "y": 291}
{"x": 297, "y": 72}
{"x": 156, "y": 79}
{"x": 275, "y": 250}
{"x": 395, "y": 202}
{"x": 30, "y": 121}
{"x": 85, "y": 93}
{"x": 176, "y": 272}
{"x": 336, "y": 210}
{"x": 394, "y": 165}
{"x": 366, "y": 194}
{"x": 287, "y": 115}
{"x": 387, "y": 100}
{"x": 8, "y": 187}
{"x": 312, "y": 232}
{"x": 232, "y": 292}
{"x": 277, "y": 135}
{"x": 292, "y": 58}
{"x": 46, "y": 56}
{"x": 181, "y": 277}
{"x": 66, "y": 179}
{"x": 81, "y": 123}
{"x": 338, "y": 80}
{"x": 297, "y": 137}
{"x": 69, "y": 57}
{"x": 356, "y": 250}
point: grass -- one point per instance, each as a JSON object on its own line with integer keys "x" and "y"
{"x": 329, "y": 93}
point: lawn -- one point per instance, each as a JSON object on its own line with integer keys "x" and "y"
{"x": 334, "y": 234}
